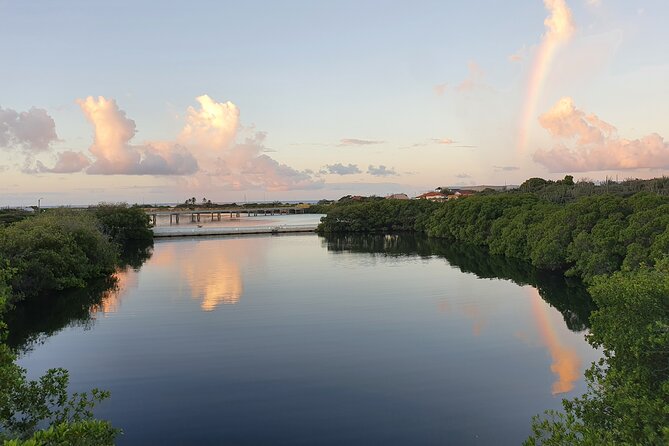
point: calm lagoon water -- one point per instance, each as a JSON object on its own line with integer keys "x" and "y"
{"x": 299, "y": 339}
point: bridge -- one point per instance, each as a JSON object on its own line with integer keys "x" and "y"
{"x": 217, "y": 214}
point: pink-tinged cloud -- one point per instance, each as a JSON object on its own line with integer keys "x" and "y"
{"x": 31, "y": 131}
{"x": 113, "y": 154}
{"x": 473, "y": 80}
{"x": 213, "y": 125}
{"x": 244, "y": 166}
{"x": 440, "y": 89}
{"x": 233, "y": 157}
{"x": 585, "y": 143}
{"x": 559, "y": 29}
{"x": 66, "y": 162}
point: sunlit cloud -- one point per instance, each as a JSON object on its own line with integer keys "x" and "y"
{"x": 212, "y": 126}
{"x": 559, "y": 29}
{"x": 341, "y": 169}
{"x": 114, "y": 154}
{"x": 231, "y": 156}
{"x": 381, "y": 171}
{"x": 358, "y": 142}
{"x": 31, "y": 131}
{"x": 585, "y": 143}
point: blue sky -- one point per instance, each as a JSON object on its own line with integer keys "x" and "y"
{"x": 420, "y": 82}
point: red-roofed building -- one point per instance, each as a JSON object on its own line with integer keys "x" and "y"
{"x": 432, "y": 196}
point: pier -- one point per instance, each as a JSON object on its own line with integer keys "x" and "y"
{"x": 218, "y": 214}
{"x": 189, "y": 231}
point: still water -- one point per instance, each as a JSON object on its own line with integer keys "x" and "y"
{"x": 300, "y": 339}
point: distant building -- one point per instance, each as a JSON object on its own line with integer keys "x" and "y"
{"x": 432, "y": 196}
{"x": 397, "y": 197}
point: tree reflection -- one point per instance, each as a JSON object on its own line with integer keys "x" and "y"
{"x": 32, "y": 322}
{"x": 569, "y": 296}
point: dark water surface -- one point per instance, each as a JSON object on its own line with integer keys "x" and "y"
{"x": 307, "y": 340}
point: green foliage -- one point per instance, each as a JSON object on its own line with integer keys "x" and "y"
{"x": 124, "y": 224}
{"x": 628, "y": 389}
{"x": 55, "y": 251}
{"x": 9, "y": 216}
{"x": 378, "y": 216}
{"x": 26, "y": 404}
{"x": 81, "y": 433}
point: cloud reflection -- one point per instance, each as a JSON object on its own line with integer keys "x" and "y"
{"x": 566, "y": 365}
{"x": 211, "y": 268}
{"x": 111, "y": 299}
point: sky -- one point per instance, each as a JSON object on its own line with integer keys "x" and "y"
{"x": 153, "y": 102}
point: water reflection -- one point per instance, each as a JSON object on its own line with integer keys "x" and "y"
{"x": 110, "y": 301}
{"x": 31, "y": 323}
{"x": 213, "y": 273}
{"x": 566, "y": 363}
{"x": 567, "y": 295}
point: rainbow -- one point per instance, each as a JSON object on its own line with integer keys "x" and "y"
{"x": 559, "y": 28}
{"x": 535, "y": 84}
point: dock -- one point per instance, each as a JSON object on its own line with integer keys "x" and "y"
{"x": 217, "y": 214}
{"x": 190, "y": 231}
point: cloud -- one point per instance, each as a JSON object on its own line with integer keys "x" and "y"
{"x": 66, "y": 162}
{"x": 31, "y": 131}
{"x": 244, "y": 167}
{"x": 380, "y": 171}
{"x": 559, "y": 29}
{"x": 232, "y": 156}
{"x": 214, "y": 124}
{"x": 560, "y": 23}
{"x": 506, "y": 168}
{"x": 446, "y": 141}
{"x": 463, "y": 176}
{"x": 113, "y": 154}
{"x": 440, "y": 89}
{"x": 585, "y": 143}
{"x": 516, "y": 57}
{"x": 473, "y": 80}
{"x": 341, "y": 169}
{"x": 358, "y": 142}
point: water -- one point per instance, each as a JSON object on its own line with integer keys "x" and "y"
{"x": 298, "y": 339}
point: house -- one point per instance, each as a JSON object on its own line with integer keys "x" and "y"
{"x": 432, "y": 196}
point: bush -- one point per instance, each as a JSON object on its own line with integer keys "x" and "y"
{"x": 55, "y": 251}
{"x": 124, "y": 224}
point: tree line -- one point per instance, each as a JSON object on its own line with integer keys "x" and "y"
{"x": 40, "y": 256}
{"x": 615, "y": 237}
